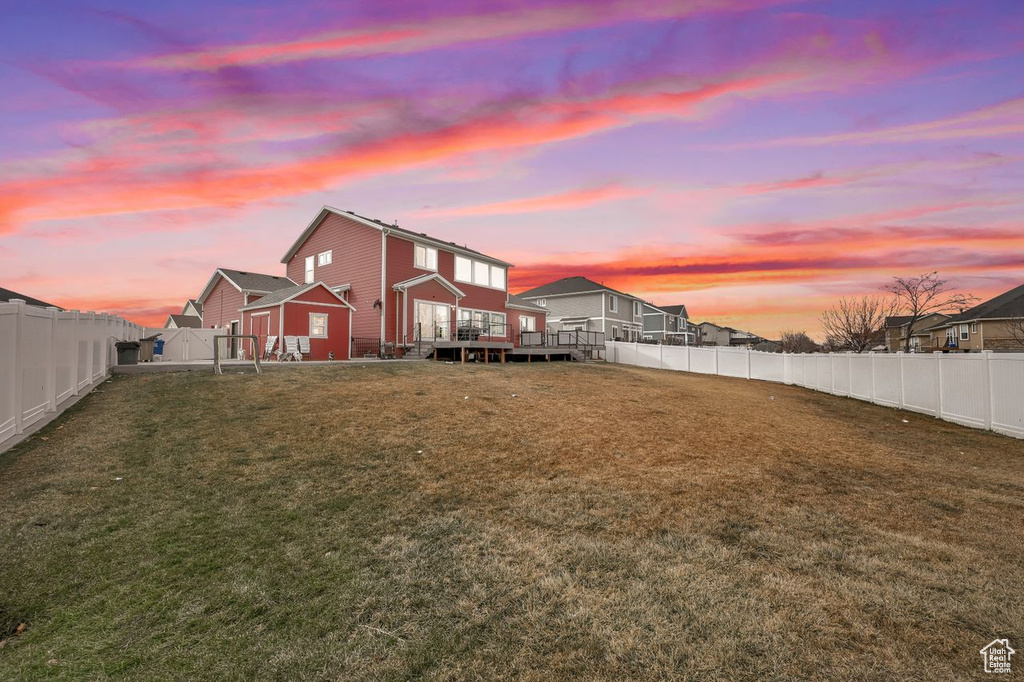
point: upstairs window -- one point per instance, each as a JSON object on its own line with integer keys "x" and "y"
{"x": 309, "y": 270}
{"x": 325, "y": 258}
{"x": 426, "y": 257}
{"x": 463, "y": 269}
{"x": 479, "y": 273}
{"x": 636, "y": 308}
{"x": 613, "y": 303}
{"x": 542, "y": 302}
{"x": 963, "y": 332}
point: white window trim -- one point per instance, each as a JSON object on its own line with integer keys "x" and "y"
{"x": 327, "y": 319}
{"x": 310, "y": 272}
{"x": 426, "y": 257}
{"x": 542, "y": 302}
{"x": 613, "y": 303}
{"x": 527, "y": 321}
{"x": 964, "y": 333}
{"x": 325, "y": 257}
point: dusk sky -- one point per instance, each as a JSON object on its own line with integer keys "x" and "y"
{"x": 753, "y": 159}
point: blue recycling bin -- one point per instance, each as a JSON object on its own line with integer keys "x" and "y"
{"x": 158, "y": 347}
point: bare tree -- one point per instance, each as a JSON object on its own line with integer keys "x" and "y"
{"x": 856, "y": 324}
{"x": 797, "y": 342}
{"x": 920, "y": 296}
{"x": 1016, "y": 328}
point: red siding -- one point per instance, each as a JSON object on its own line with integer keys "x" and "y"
{"x": 222, "y": 305}
{"x": 428, "y": 291}
{"x": 355, "y": 260}
{"x": 296, "y": 323}
{"x": 513, "y": 318}
{"x": 401, "y": 268}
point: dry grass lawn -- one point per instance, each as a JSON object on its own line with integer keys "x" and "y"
{"x": 603, "y": 522}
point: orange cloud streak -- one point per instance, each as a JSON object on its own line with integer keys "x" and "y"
{"x": 550, "y": 202}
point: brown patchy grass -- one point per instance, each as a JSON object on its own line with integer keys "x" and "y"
{"x": 607, "y": 522}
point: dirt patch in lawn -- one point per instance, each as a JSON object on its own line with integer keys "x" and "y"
{"x": 396, "y": 520}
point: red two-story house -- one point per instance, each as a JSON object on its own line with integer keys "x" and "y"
{"x": 406, "y": 286}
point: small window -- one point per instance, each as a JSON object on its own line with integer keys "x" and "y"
{"x": 636, "y": 308}
{"x": 463, "y": 269}
{"x": 963, "y": 332}
{"x": 497, "y": 277}
{"x": 527, "y": 323}
{"x": 542, "y": 302}
{"x": 426, "y": 257}
{"x": 325, "y": 258}
{"x": 309, "y": 270}
{"x": 318, "y": 325}
{"x": 974, "y": 327}
{"x": 613, "y": 303}
{"x": 615, "y": 333}
{"x": 481, "y": 274}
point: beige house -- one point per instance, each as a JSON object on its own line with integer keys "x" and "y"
{"x": 897, "y": 328}
{"x": 995, "y": 324}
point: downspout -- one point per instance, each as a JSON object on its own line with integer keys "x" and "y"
{"x": 383, "y": 279}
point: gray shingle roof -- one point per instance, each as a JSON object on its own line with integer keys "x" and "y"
{"x": 254, "y": 281}
{"x": 190, "y": 321}
{"x": 7, "y": 295}
{"x": 282, "y": 295}
{"x": 1006, "y": 305}
{"x": 569, "y": 285}
{"x": 523, "y": 303}
{"x": 195, "y": 304}
{"x": 896, "y": 321}
{"x": 675, "y": 310}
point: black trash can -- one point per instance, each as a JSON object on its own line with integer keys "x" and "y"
{"x": 127, "y": 352}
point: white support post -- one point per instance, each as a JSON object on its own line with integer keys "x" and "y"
{"x": 938, "y": 383}
{"x": 688, "y": 358}
{"x": 90, "y": 352}
{"x": 871, "y": 358}
{"x": 899, "y": 372}
{"x": 987, "y": 377}
{"x": 748, "y": 362}
{"x": 661, "y": 356}
{"x": 832, "y": 372}
{"x": 716, "y": 360}
{"x": 51, "y": 364}
{"x": 849, "y": 374}
{"x": 76, "y": 334}
{"x": 19, "y": 364}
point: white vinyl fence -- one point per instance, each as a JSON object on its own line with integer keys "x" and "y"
{"x": 186, "y": 345}
{"x": 983, "y": 390}
{"x": 48, "y": 356}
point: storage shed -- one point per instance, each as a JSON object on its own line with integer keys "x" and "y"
{"x": 312, "y": 310}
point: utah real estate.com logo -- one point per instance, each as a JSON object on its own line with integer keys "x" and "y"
{"x": 997, "y": 656}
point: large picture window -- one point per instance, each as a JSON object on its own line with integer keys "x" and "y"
{"x": 476, "y": 272}
{"x": 527, "y": 323}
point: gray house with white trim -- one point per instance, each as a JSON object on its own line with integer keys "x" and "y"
{"x": 581, "y": 303}
{"x": 667, "y": 324}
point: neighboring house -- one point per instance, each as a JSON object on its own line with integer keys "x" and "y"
{"x": 229, "y": 290}
{"x": 183, "y": 321}
{"x": 194, "y": 308}
{"x": 666, "y": 324}
{"x": 898, "y": 327}
{"x": 7, "y": 295}
{"x": 716, "y": 335}
{"x": 581, "y": 303}
{"x": 406, "y": 285}
{"x": 986, "y": 326}
{"x": 312, "y": 310}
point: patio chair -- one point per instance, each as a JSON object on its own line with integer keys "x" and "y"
{"x": 303, "y": 347}
{"x": 268, "y": 348}
{"x": 291, "y": 350}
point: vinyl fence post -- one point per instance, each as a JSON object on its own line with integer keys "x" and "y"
{"x": 849, "y": 374}
{"x": 661, "y": 356}
{"x": 748, "y": 361}
{"x": 899, "y": 372}
{"x": 938, "y": 383}
{"x": 871, "y": 358}
{"x": 832, "y": 372}
{"x": 51, "y": 365}
{"x": 19, "y": 364}
{"x": 76, "y": 335}
{"x": 987, "y": 377}
{"x": 687, "y": 357}
{"x": 716, "y": 359}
